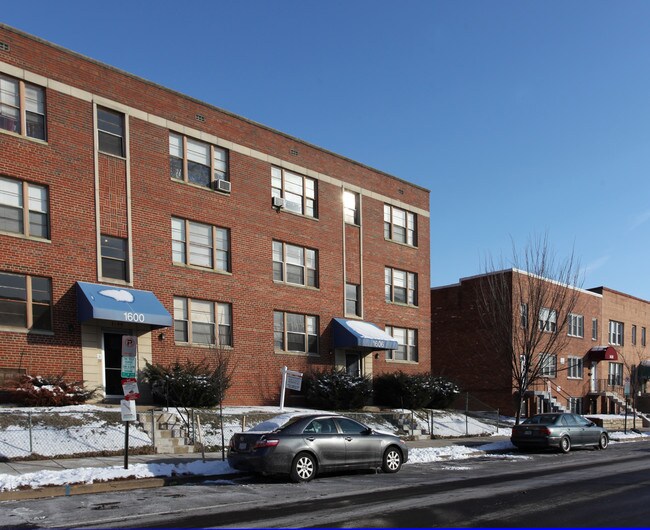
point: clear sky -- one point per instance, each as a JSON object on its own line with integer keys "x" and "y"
{"x": 521, "y": 117}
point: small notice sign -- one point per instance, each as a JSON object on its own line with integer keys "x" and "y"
{"x": 128, "y": 367}
{"x": 294, "y": 380}
{"x": 130, "y": 387}
{"x": 127, "y": 408}
{"x": 129, "y": 346}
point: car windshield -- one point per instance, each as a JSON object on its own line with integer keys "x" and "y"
{"x": 542, "y": 419}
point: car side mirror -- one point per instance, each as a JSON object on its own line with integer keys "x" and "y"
{"x": 368, "y": 431}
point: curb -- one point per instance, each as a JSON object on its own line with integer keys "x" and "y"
{"x": 108, "y": 486}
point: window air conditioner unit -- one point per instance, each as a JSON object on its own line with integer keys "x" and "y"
{"x": 223, "y": 185}
{"x": 278, "y": 202}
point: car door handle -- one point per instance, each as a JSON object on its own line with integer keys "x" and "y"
{"x": 310, "y": 438}
{"x": 348, "y": 438}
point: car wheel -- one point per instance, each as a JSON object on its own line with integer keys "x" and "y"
{"x": 565, "y": 444}
{"x": 303, "y": 468}
{"x": 392, "y": 462}
{"x": 603, "y": 441}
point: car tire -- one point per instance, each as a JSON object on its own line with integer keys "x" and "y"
{"x": 303, "y": 468}
{"x": 565, "y": 444}
{"x": 392, "y": 461}
{"x": 603, "y": 441}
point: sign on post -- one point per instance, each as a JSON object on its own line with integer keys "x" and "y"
{"x": 130, "y": 388}
{"x": 128, "y": 367}
{"x": 291, "y": 380}
{"x": 129, "y": 345}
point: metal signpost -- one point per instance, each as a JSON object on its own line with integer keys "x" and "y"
{"x": 130, "y": 388}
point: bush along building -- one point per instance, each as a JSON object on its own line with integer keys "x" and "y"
{"x": 588, "y": 349}
{"x": 129, "y": 209}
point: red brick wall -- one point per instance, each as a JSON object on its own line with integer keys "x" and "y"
{"x": 65, "y": 164}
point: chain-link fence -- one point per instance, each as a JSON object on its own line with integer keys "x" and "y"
{"x": 478, "y": 416}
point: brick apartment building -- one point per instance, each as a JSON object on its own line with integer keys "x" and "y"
{"x": 606, "y": 346}
{"x": 129, "y": 209}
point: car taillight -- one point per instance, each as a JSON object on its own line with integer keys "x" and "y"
{"x": 264, "y": 442}
{"x": 545, "y": 431}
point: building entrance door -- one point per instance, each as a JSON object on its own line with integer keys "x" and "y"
{"x": 113, "y": 363}
{"x": 353, "y": 364}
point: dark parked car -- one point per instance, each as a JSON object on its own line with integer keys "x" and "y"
{"x": 559, "y": 430}
{"x": 307, "y": 445}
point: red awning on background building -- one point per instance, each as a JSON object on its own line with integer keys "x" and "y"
{"x": 602, "y": 353}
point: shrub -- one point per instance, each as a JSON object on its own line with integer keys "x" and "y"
{"x": 413, "y": 391}
{"x": 188, "y": 385}
{"x": 336, "y": 390}
{"x": 47, "y": 391}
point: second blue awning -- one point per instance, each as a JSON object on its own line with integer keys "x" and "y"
{"x": 107, "y": 302}
{"x": 359, "y": 334}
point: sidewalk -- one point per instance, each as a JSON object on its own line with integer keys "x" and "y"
{"x": 155, "y": 461}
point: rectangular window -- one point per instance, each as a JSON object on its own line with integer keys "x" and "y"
{"x": 548, "y": 365}
{"x": 25, "y": 302}
{"x": 295, "y": 265}
{"x": 24, "y": 208}
{"x": 575, "y": 405}
{"x": 22, "y": 108}
{"x": 298, "y": 192}
{"x": 295, "y": 332}
{"x": 195, "y": 323}
{"x": 523, "y": 311}
{"x": 197, "y": 162}
{"x": 351, "y": 207}
{"x": 616, "y": 330}
{"x": 547, "y": 320}
{"x": 110, "y": 131}
{"x": 400, "y": 286}
{"x": 594, "y": 329}
{"x": 615, "y": 374}
{"x": 352, "y": 299}
{"x": 399, "y": 225}
{"x": 633, "y": 334}
{"x": 642, "y": 336}
{"x": 576, "y": 325}
{"x": 115, "y": 258}
{"x": 407, "y": 344}
{"x": 575, "y": 367}
{"x": 200, "y": 245}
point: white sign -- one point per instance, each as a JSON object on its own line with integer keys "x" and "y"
{"x": 127, "y": 408}
{"x": 128, "y": 367}
{"x": 130, "y": 387}
{"x": 294, "y": 380}
{"x": 129, "y": 346}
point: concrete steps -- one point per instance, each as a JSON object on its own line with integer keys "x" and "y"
{"x": 167, "y": 431}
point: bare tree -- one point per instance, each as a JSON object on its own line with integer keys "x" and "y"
{"x": 524, "y": 309}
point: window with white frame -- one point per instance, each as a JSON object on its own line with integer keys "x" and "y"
{"x": 197, "y": 162}
{"x": 353, "y": 299}
{"x": 111, "y": 132}
{"x": 615, "y": 374}
{"x": 200, "y": 245}
{"x": 400, "y": 286}
{"x": 115, "y": 258}
{"x": 202, "y": 322}
{"x": 547, "y": 320}
{"x": 351, "y": 207}
{"x": 400, "y": 225}
{"x": 548, "y": 366}
{"x": 294, "y": 332}
{"x": 299, "y": 192}
{"x": 576, "y": 325}
{"x": 633, "y": 335}
{"x": 523, "y": 313}
{"x": 25, "y": 301}
{"x": 575, "y": 405}
{"x": 24, "y": 208}
{"x": 22, "y": 107}
{"x": 295, "y": 265}
{"x": 594, "y": 329}
{"x": 642, "y": 336}
{"x": 575, "y": 367}
{"x": 407, "y": 344}
{"x": 616, "y": 330}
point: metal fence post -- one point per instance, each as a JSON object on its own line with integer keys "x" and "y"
{"x": 467, "y": 414}
{"x": 31, "y": 445}
{"x": 153, "y": 428}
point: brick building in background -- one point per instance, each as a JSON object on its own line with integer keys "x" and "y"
{"x": 606, "y": 347}
{"x": 129, "y": 209}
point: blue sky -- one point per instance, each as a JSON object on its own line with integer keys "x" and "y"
{"x": 521, "y": 117}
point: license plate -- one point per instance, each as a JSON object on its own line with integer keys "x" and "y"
{"x": 243, "y": 446}
{"x": 528, "y": 433}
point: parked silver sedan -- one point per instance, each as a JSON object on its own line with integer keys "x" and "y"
{"x": 310, "y": 444}
{"x": 559, "y": 430}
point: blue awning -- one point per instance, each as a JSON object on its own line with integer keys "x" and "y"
{"x": 108, "y": 302}
{"x": 359, "y": 334}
